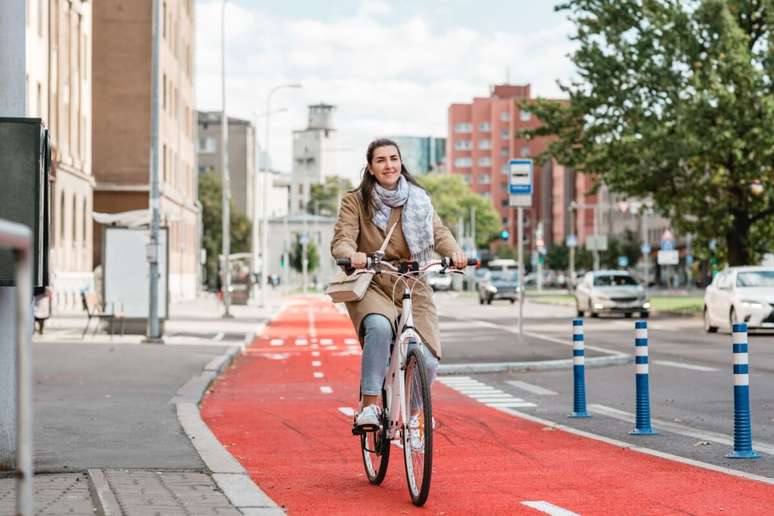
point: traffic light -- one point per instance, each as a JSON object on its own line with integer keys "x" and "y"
{"x": 282, "y": 260}
{"x": 504, "y": 234}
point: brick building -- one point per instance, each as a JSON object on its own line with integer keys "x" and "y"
{"x": 484, "y": 135}
{"x": 122, "y": 124}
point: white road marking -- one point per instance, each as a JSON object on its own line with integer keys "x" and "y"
{"x": 685, "y": 366}
{"x": 510, "y": 404}
{"x": 318, "y": 374}
{"x": 534, "y": 389}
{"x": 548, "y": 508}
{"x": 315, "y": 353}
{"x": 351, "y": 342}
{"x": 325, "y": 389}
{"x": 347, "y": 411}
{"x": 219, "y": 336}
{"x": 677, "y": 428}
{"x": 326, "y": 342}
{"x": 301, "y": 342}
{"x": 477, "y": 390}
{"x": 277, "y": 342}
{"x": 316, "y": 363}
{"x": 632, "y": 447}
{"x": 498, "y": 399}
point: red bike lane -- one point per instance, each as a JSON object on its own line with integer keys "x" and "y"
{"x": 283, "y": 411}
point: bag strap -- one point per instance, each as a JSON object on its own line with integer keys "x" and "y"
{"x": 387, "y": 238}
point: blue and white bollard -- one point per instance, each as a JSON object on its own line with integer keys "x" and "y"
{"x": 642, "y": 421}
{"x": 578, "y": 371}
{"x": 742, "y": 430}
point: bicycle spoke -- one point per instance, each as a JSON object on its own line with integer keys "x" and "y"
{"x": 418, "y": 433}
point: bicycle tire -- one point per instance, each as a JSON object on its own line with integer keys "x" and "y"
{"x": 418, "y": 441}
{"x": 375, "y": 449}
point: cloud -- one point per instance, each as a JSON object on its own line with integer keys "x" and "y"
{"x": 386, "y": 74}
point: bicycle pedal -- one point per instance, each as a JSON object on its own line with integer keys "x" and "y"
{"x": 361, "y": 430}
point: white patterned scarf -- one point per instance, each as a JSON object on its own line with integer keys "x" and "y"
{"x": 417, "y": 219}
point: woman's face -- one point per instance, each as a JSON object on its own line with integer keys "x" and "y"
{"x": 385, "y": 166}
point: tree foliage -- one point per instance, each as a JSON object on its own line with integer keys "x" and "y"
{"x": 210, "y": 195}
{"x": 297, "y": 253}
{"x": 324, "y": 197}
{"x": 453, "y": 200}
{"x": 675, "y": 100}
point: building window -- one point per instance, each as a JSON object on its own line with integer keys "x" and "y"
{"x": 486, "y": 195}
{"x": 85, "y": 222}
{"x": 463, "y": 162}
{"x": 485, "y": 161}
{"x": 505, "y": 116}
{"x": 164, "y": 92}
{"x": 164, "y": 20}
{"x": 463, "y": 127}
{"x": 504, "y": 151}
{"x": 524, "y": 151}
{"x": 506, "y": 168}
{"x": 164, "y": 164}
{"x": 484, "y": 127}
{"x": 504, "y": 203}
{"x": 463, "y": 145}
{"x": 484, "y": 144}
{"x": 504, "y": 186}
{"x": 484, "y": 179}
{"x": 504, "y": 134}
{"x": 468, "y": 178}
{"x": 206, "y": 145}
{"x": 525, "y": 115}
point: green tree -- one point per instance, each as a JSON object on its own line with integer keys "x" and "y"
{"x": 297, "y": 252}
{"x": 674, "y": 100}
{"x": 558, "y": 257}
{"x": 453, "y": 200}
{"x": 210, "y": 195}
{"x": 324, "y": 197}
{"x": 627, "y": 245}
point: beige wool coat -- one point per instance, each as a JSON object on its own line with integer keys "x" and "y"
{"x": 354, "y": 232}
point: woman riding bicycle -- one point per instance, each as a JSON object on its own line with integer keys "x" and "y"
{"x": 388, "y": 194}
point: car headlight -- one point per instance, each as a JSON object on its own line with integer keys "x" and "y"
{"x": 751, "y": 305}
{"x": 491, "y": 288}
{"x": 646, "y": 305}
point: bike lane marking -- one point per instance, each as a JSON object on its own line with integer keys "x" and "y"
{"x": 297, "y": 445}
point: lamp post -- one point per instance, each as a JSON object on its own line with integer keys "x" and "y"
{"x": 265, "y": 196}
{"x": 226, "y": 211}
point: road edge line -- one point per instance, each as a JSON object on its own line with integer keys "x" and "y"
{"x": 225, "y": 470}
{"x": 640, "y": 449}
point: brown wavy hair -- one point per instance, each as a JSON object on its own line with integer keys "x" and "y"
{"x": 366, "y": 186}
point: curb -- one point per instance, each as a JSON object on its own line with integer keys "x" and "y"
{"x": 229, "y": 475}
{"x": 545, "y": 365}
{"x": 103, "y": 497}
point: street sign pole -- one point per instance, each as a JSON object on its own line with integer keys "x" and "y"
{"x": 520, "y": 196}
{"x": 520, "y": 246}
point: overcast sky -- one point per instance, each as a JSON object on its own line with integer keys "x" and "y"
{"x": 391, "y": 67}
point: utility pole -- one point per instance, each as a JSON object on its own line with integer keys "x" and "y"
{"x": 13, "y": 103}
{"x": 226, "y": 211}
{"x": 573, "y": 232}
{"x": 153, "y": 330}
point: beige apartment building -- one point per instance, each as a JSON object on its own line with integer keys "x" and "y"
{"x": 59, "y": 43}
{"x": 122, "y": 124}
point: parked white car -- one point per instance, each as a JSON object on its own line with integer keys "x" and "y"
{"x": 439, "y": 281}
{"x": 740, "y": 294}
{"x": 610, "y": 292}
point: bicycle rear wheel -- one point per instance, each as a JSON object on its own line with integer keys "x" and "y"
{"x": 418, "y": 431}
{"x": 375, "y": 448}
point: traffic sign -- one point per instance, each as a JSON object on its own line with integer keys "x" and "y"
{"x": 645, "y": 248}
{"x": 668, "y": 258}
{"x": 596, "y": 243}
{"x": 520, "y": 184}
{"x": 571, "y": 241}
{"x": 303, "y": 239}
{"x": 623, "y": 261}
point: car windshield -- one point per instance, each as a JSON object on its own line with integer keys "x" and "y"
{"x": 613, "y": 280}
{"x": 755, "y": 279}
{"x": 505, "y": 276}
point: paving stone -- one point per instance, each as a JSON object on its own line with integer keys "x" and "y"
{"x": 53, "y": 495}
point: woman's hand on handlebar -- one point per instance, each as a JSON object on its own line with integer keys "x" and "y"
{"x": 459, "y": 259}
{"x": 358, "y": 260}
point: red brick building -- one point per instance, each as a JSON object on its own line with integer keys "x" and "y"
{"x": 484, "y": 135}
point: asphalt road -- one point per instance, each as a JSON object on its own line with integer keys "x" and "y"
{"x": 691, "y": 384}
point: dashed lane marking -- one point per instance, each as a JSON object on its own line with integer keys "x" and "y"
{"x": 347, "y": 411}
{"x": 326, "y": 342}
{"x": 316, "y": 363}
{"x": 325, "y": 389}
{"x": 351, "y": 342}
{"x": 484, "y": 393}
{"x": 301, "y": 342}
{"x": 534, "y": 389}
{"x": 318, "y": 374}
{"x": 219, "y": 336}
{"x": 681, "y": 365}
{"x": 315, "y": 353}
{"x": 548, "y": 508}
{"x": 277, "y": 342}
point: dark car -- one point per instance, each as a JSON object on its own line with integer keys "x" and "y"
{"x": 499, "y": 285}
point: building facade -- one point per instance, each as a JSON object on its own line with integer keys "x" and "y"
{"x": 241, "y": 156}
{"x": 122, "y": 65}
{"x": 59, "y": 79}
{"x": 314, "y": 155}
{"x": 484, "y": 135}
{"x": 421, "y": 154}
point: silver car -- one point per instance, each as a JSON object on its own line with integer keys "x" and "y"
{"x": 610, "y": 292}
{"x": 740, "y": 294}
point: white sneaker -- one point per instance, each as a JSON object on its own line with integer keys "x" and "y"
{"x": 369, "y": 418}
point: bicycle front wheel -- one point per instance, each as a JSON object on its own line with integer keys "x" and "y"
{"x": 376, "y": 449}
{"x": 418, "y": 431}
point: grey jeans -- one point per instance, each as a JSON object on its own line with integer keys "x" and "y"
{"x": 378, "y": 336}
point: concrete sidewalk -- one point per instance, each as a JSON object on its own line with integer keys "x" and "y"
{"x": 117, "y": 428}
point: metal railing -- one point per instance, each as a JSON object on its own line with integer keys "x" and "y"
{"x": 18, "y": 238}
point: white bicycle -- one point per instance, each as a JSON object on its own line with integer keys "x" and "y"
{"x": 405, "y": 397}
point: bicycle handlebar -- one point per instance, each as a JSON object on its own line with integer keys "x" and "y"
{"x": 371, "y": 260}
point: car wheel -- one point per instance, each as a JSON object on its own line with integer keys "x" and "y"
{"x": 592, "y": 313}
{"x": 489, "y": 300}
{"x": 513, "y": 300}
{"x": 578, "y": 310}
{"x": 731, "y": 320}
{"x": 707, "y": 326}
{"x": 480, "y": 300}
{"x": 628, "y": 315}
{"x": 644, "y": 315}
